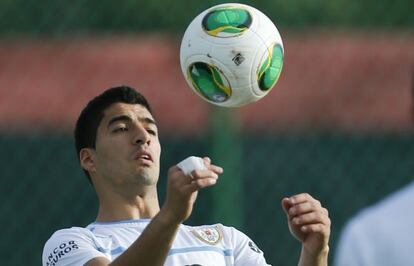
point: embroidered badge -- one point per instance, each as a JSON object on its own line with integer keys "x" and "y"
{"x": 209, "y": 235}
{"x": 254, "y": 247}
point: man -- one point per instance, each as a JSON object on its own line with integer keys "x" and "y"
{"x": 381, "y": 234}
{"x": 118, "y": 147}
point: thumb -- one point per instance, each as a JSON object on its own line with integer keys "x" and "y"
{"x": 207, "y": 161}
{"x": 286, "y": 205}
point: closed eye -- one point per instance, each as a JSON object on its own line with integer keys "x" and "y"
{"x": 152, "y": 132}
{"x": 120, "y": 129}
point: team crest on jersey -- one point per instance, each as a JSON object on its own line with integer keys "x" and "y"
{"x": 253, "y": 247}
{"x": 209, "y": 235}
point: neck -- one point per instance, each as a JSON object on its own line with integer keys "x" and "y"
{"x": 116, "y": 207}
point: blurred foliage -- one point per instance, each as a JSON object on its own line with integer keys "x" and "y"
{"x": 49, "y": 17}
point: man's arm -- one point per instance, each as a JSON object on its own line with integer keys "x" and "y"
{"x": 152, "y": 246}
{"x": 309, "y": 223}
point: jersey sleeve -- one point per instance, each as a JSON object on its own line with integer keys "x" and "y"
{"x": 246, "y": 253}
{"x": 352, "y": 248}
{"x": 74, "y": 246}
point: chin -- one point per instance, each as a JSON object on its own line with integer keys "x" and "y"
{"x": 147, "y": 178}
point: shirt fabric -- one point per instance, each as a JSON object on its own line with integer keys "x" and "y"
{"x": 380, "y": 235}
{"x": 193, "y": 245}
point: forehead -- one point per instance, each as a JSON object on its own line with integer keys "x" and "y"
{"x": 131, "y": 110}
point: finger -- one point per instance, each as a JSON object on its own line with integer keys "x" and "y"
{"x": 200, "y": 174}
{"x": 300, "y": 198}
{"x": 321, "y": 229}
{"x": 215, "y": 168}
{"x": 305, "y": 207}
{"x": 192, "y": 186}
{"x": 200, "y": 179}
{"x": 205, "y": 182}
{"x": 286, "y": 205}
{"x": 174, "y": 169}
{"x": 176, "y": 173}
{"x": 207, "y": 161}
{"x": 198, "y": 184}
{"x": 177, "y": 179}
{"x": 311, "y": 218}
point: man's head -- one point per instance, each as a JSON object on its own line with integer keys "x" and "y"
{"x": 117, "y": 139}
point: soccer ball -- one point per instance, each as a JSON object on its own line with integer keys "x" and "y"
{"x": 231, "y": 55}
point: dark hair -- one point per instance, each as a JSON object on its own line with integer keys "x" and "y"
{"x": 92, "y": 115}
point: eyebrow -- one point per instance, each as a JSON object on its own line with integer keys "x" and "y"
{"x": 127, "y": 118}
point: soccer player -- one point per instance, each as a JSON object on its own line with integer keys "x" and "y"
{"x": 118, "y": 148}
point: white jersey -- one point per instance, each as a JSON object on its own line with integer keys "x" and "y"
{"x": 193, "y": 245}
{"x": 380, "y": 235}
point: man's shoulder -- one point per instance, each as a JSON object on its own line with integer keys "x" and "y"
{"x": 69, "y": 235}
{"x": 394, "y": 204}
{"x": 71, "y": 246}
{"x": 390, "y": 211}
{"x": 72, "y": 231}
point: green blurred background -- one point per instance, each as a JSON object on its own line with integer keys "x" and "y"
{"x": 337, "y": 125}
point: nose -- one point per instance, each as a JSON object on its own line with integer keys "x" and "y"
{"x": 141, "y": 135}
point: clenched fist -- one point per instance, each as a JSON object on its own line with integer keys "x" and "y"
{"x": 309, "y": 222}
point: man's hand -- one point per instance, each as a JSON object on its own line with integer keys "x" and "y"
{"x": 309, "y": 223}
{"x": 182, "y": 189}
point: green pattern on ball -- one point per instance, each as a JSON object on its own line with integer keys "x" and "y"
{"x": 228, "y": 20}
{"x": 271, "y": 68}
{"x": 207, "y": 80}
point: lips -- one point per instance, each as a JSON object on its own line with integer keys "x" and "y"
{"x": 143, "y": 155}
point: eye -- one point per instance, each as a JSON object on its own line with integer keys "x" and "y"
{"x": 152, "y": 132}
{"x": 120, "y": 129}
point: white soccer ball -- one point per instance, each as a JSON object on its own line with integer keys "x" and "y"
{"x": 231, "y": 55}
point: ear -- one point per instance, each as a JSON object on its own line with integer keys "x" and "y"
{"x": 87, "y": 159}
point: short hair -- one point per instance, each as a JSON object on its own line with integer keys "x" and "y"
{"x": 91, "y": 116}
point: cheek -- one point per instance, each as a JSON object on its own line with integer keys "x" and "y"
{"x": 107, "y": 153}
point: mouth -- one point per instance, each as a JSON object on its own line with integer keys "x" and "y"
{"x": 143, "y": 156}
